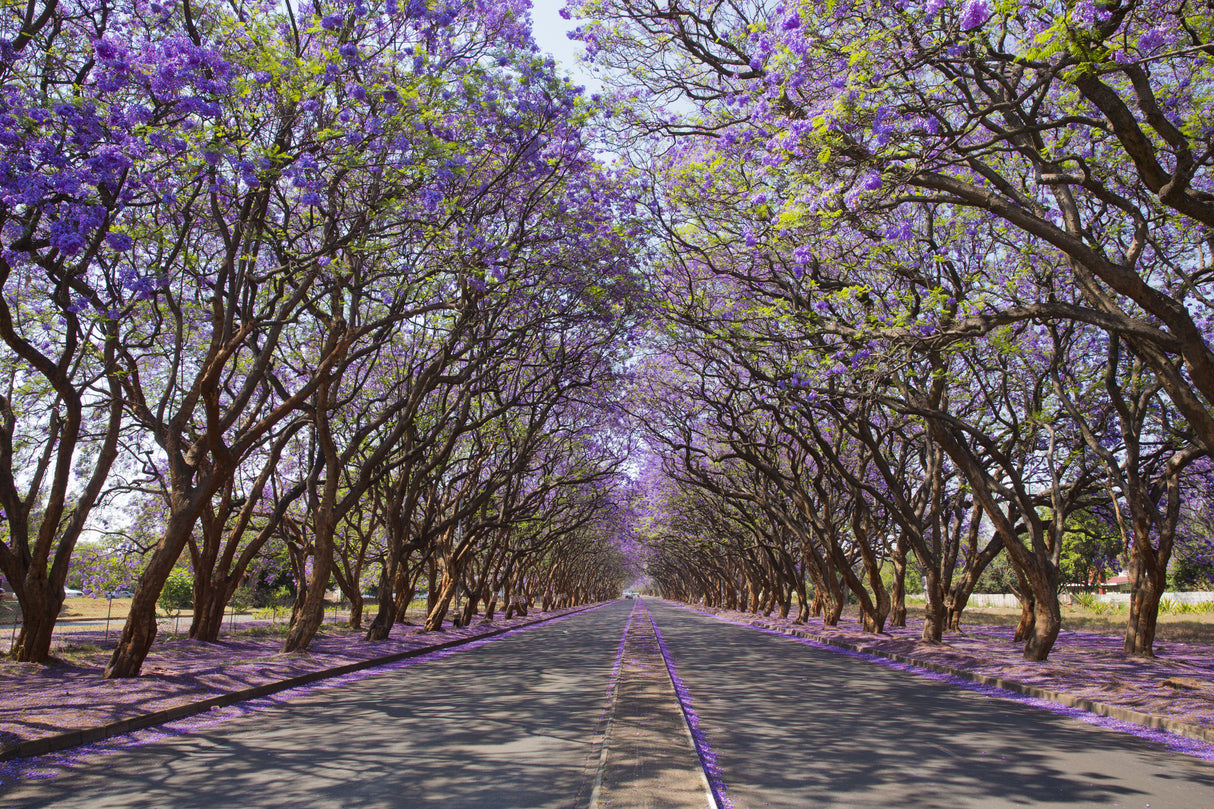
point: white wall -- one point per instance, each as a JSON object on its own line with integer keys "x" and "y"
{"x": 1005, "y": 600}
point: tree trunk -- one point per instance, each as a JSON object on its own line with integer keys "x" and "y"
{"x": 1028, "y": 609}
{"x": 1146, "y": 590}
{"x": 385, "y": 613}
{"x": 898, "y": 594}
{"x": 933, "y": 608}
{"x": 1028, "y": 618}
{"x": 40, "y": 603}
{"x": 470, "y": 608}
{"x": 438, "y": 612}
{"x": 956, "y": 606}
{"x": 1047, "y": 622}
{"x": 209, "y": 605}
{"x": 140, "y": 629}
{"x": 312, "y": 613}
{"x": 432, "y": 585}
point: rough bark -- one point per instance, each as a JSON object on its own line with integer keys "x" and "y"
{"x": 898, "y": 594}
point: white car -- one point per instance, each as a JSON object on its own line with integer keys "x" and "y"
{"x": 68, "y": 592}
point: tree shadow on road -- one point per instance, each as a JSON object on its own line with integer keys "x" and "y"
{"x": 509, "y": 724}
{"x": 797, "y": 726}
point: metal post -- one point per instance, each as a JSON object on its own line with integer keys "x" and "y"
{"x": 109, "y": 609}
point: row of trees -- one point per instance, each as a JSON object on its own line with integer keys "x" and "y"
{"x": 344, "y": 277}
{"x": 938, "y": 281}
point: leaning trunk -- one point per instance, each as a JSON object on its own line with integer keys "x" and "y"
{"x": 311, "y": 613}
{"x": 438, "y": 612}
{"x": 140, "y": 629}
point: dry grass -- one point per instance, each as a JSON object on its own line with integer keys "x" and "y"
{"x": 84, "y": 607}
{"x": 1190, "y": 628}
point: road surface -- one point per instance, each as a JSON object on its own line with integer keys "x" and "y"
{"x": 508, "y": 724}
{"x": 518, "y": 722}
{"x": 794, "y": 726}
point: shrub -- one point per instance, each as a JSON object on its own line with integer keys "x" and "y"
{"x": 178, "y": 592}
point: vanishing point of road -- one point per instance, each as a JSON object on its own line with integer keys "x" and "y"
{"x": 582, "y": 712}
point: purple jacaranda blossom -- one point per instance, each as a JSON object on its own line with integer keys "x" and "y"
{"x": 119, "y": 242}
{"x": 66, "y": 240}
{"x": 974, "y": 14}
{"x": 108, "y": 51}
{"x": 1153, "y": 38}
{"x": 331, "y": 22}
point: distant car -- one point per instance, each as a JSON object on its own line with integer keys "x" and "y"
{"x": 630, "y": 595}
{"x": 123, "y": 593}
{"x": 68, "y": 592}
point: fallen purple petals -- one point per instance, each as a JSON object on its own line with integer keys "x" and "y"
{"x": 708, "y": 757}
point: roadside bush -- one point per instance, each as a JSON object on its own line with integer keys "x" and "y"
{"x": 1090, "y": 602}
{"x": 178, "y": 592}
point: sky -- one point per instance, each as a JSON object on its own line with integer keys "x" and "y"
{"x": 550, "y": 30}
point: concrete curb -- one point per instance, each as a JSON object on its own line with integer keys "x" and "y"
{"x": 75, "y": 738}
{"x": 1155, "y": 721}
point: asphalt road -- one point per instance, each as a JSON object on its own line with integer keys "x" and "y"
{"x": 794, "y": 726}
{"x": 513, "y": 723}
{"x": 508, "y": 724}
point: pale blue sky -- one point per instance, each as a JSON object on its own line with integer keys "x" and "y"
{"x": 550, "y": 30}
